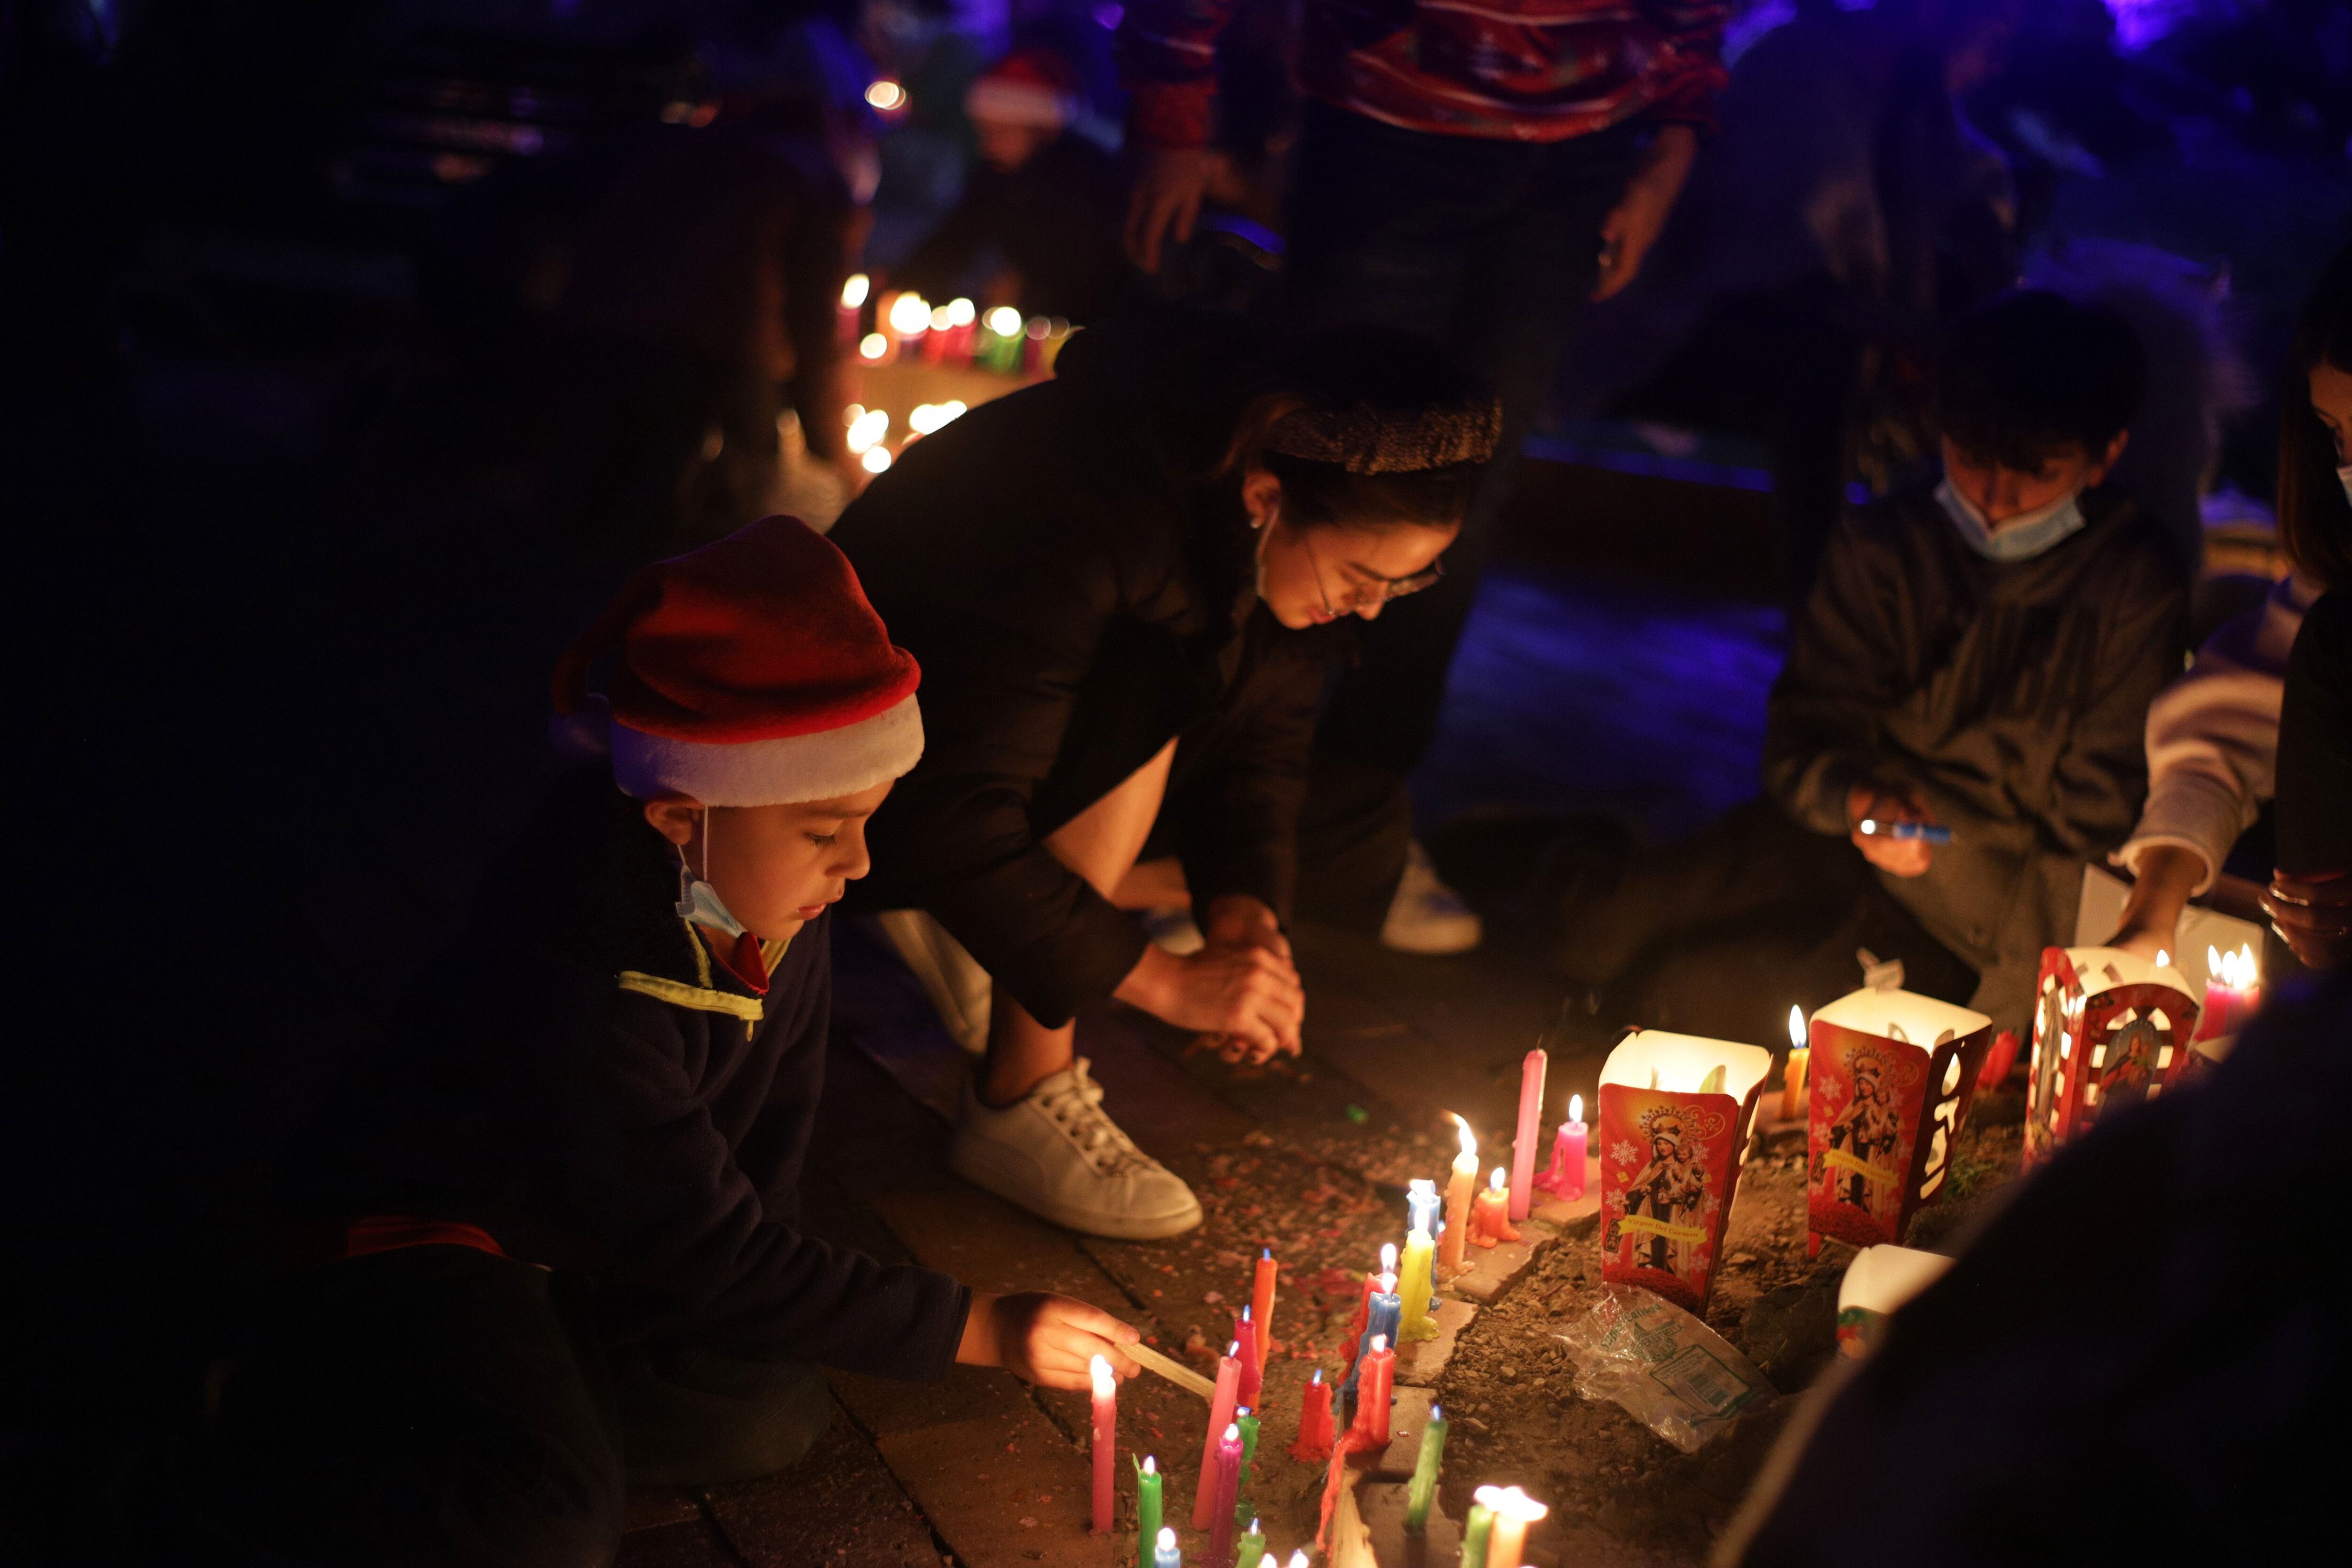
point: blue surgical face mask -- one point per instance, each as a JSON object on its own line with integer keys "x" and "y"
{"x": 697, "y": 901}
{"x": 2020, "y": 538}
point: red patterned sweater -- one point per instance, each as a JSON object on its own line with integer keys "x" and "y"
{"x": 1533, "y": 70}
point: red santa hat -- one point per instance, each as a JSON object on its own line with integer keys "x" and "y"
{"x": 753, "y": 672}
{"x": 1027, "y": 86}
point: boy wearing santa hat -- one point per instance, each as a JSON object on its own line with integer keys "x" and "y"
{"x": 550, "y": 1239}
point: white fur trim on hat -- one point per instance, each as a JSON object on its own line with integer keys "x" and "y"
{"x": 821, "y": 766}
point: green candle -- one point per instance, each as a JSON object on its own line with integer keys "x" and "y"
{"x": 1424, "y": 1472}
{"x": 1249, "y": 1548}
{"x": 1475, "y": 1531}
{"x": 1248, "y": 1421}
{"x": 1147, "y": 1511}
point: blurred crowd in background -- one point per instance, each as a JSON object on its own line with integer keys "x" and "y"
{"x": 276, "y": 175}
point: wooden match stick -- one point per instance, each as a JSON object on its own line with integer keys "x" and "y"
{"x": 1175, "y": 1372}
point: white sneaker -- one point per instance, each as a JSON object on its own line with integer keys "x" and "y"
{"x": 1056, "y": 1154}
{"x": 959, "y": 988}
{"x": 1427, "y": 916}
{"x": 1172, "y": 928}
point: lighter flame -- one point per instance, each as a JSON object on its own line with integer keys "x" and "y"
{"x": 1796, "y": 1027}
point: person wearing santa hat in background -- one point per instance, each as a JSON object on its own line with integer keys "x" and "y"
{"x": 1043, "y": 205}
{"x": 544, "y": 1242}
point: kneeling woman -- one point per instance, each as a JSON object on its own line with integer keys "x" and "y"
{"x": 1121, "y": 585}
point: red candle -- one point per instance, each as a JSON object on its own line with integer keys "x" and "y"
{"x": 1523, "y": 1151}
{"x": 1229, "y": 1491}
{"x": 1106, "y": 1439}
{"x": 1261, "y": 1306}
{"x": 1375, "y": 1391}
{"x": 1364, "y": 1302}
{"x": 1490, "y": 1215}
{"x": 2233, "y": 992}
{"x": 1314, "y": 1440}
{"x": 1252, "y": 1375}
{"x": 1220, "y": 1416}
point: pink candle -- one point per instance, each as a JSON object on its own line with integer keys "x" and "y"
{"x": 1220, "y": 1416}
{"x": 1229, "y": 1491}
{"x": 1523, "y": 1152}
{"x": 1106, "y": 1439}
{"x": 1253, "y": 1374}
{"x": 1572, "y": 1135}
{"x": 2233, "y": 992}
{"x": 1376, "y": 1390}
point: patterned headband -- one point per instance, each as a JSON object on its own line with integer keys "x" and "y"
{"x": 1367, "y": 441}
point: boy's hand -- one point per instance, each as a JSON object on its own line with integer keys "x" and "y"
{"x": 1895, "y": 857}
{"x": 2313, "y": 915}
{"x": 1050, "y": 1339}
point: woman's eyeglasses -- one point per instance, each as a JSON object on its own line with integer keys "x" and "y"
{"x": 1357, "y": 596}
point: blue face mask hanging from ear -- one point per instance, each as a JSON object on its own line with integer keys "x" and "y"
{"x": 2018, "y": 537}
{"x": 697, "y": 901}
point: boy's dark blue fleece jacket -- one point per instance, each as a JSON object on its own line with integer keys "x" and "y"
{"x": 584, "y": 1082}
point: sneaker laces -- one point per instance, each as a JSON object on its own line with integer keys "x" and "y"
{"x": 1076, "y": 1109}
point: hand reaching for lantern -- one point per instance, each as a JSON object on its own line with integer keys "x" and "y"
{"x": 1047, "y": 1339}
{"x": 2313, "y": 915}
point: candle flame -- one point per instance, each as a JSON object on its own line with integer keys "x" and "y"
{"x": 1517, "y": 1504}
{"x": 2212, "y": 961}
{"x": 1232, "y": 1433}
{"x": 2163, "y": 959}
{"x": 1492, "y": 1496}
{"x": 1576, "y": 1108}
{"x": 1298, "y": 1558}
{"x": 1233, "y": 1348}
{"x": 1796, "y": 1026}
{"x": 1246, "y": 1316}
{"x": 1167, "y": 1539}
{"x": 1317, "y": 1377}
{"x": 1379, "y": 1343}
{"x": 1469, "y": 1139}
{"x": 1150, "y": 1466}
{"x": 1388, "y": 1257}
{"x": 1496, "y": 1180}
{"x": 854, "y": 291}
{"x": 1437, "y": 1413}
{"x": 1104, "y": 1381}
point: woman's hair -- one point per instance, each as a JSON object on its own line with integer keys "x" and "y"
{"x": 1369, "y": 427}
{"x": 2314, "y": 517}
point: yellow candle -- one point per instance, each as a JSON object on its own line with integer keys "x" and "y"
{"x": 1414, "y": 1286}
{"x": 1465, "y": 1182}
{"x": 1514, "y": 1512}
{"x": 1792, "y": 1082}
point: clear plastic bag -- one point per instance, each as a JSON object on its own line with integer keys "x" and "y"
{"x": 1672, "y": 1372}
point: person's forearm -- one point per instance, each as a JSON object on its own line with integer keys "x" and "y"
{"x": 2169, "y": 873}
{"x": 979, "y": 1346}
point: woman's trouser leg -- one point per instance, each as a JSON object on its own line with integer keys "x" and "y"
{"x": 1100, "y": 844}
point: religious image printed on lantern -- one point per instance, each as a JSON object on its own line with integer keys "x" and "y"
{"x": 1893, "y": 1074}
{"x": 2109, "y": 1028}
{"x": 1675, "y": 1111}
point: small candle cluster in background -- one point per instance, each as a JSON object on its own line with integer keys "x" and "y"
{"x": 904, "y": 325}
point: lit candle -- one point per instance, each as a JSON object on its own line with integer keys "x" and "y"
{"x": 1514, "y": 1512}
{"x": 1458, "y": 1188}
{"x": 1361, "y": 1327}
{"x": 1147, "y": 1509}
{"x": 1313, "y": 1443}
{"x": 1261, "y": 1306}
{"x": 1380, "y": 1328}
{"x": 1246, "y": 1420}
{"x": 1164, "y": 1554}
{"x": 1229, "y": 1488}
{"x": 1478, "y": 1528}
{"x": 1424, "y": 1472}
{"x": 1490, "y": 1219}
{"x": 1252, "y": 1375}
{"x": 1792, "y": 1082}
{"x": 854, "y": 291}
{"x": 1523, "y": 1151}
{"x": 1106, "y": 1438}
{"x": 1250, "y": 1549}
{"x": 1425, "y": 1210}
{"x": 1378, "y": 1391}
{"x": 909, "y": 315}
{"x": 1414, "y": 1287}
{"x": 1220, "y": 1416}
{"x": 2233, "y": 992}
{"x": 1571, "y": 1151}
